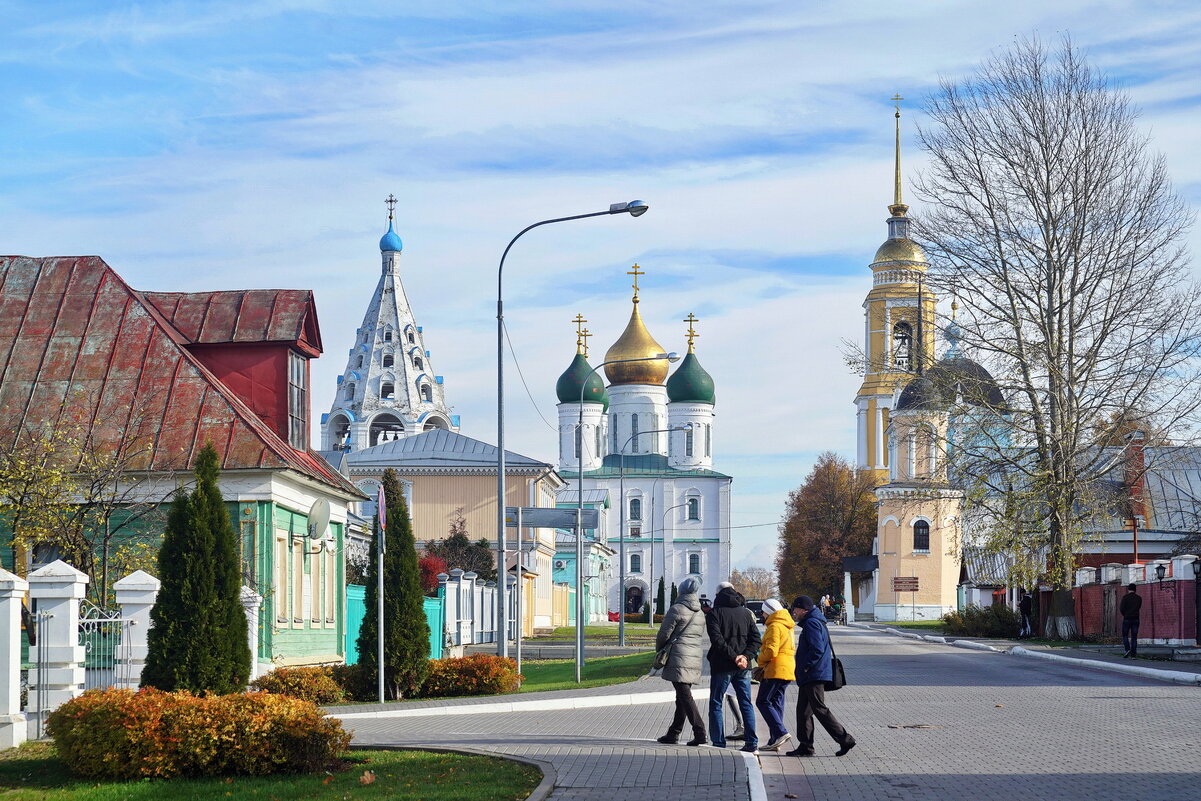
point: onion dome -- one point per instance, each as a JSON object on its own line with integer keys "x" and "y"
{"x": 963, "y": 381}
{"x": 920, "y": 395}
{"x": 579, "y": 376}
{"x": 390, "y": 241}
{"x": 636, "y": 343}
{"x": 900, "y": 250}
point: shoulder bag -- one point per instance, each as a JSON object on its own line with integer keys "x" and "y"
{"x": 664, "y": 653}
{"x": 838, "y": 676}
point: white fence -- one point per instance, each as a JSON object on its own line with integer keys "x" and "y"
{"x": 469, "y": 604}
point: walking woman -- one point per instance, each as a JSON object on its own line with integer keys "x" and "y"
{"x": 683, "y": 633}
{"x": 777, "y": 658}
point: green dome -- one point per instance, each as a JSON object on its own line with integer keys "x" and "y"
{"x": 690, "y": 383}
{"x": 572, "y": 381}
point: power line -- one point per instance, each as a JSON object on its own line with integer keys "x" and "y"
{"x": 520, "y": 374}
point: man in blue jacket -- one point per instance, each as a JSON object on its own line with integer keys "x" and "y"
{"x": 814, "y": 659}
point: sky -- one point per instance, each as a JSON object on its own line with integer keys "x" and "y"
{"x": 222, "y": 145}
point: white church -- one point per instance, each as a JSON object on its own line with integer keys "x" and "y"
{"x": 647, "y": 441}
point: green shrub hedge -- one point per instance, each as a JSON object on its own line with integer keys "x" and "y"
{"x": 478, "y": 674}
{"x": 997, "y": 620}
{"x": 122, "y": 734}
{"x": 315, "y": 684}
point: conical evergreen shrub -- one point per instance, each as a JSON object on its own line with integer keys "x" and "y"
{"x": 406, "y": 632}
{"x": 659, "y": 599}
{"x": 198, "y": 640}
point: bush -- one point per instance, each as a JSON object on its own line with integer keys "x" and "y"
{"x": 354, "y": 682}
{"x": 315, "y": 684}
{"x": 997, "y": 620}
{"x": 478, "y": 674}
{"x": 122, "y": 734}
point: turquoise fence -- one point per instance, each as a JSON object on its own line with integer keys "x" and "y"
{"x": 356, "y": 610}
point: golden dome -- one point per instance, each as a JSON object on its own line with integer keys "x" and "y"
{"x": 900, "y": 250}
{"x": 636, "y": 343}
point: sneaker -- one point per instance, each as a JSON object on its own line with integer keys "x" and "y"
{"x": 1126, "y": 655}
{"x": 777, "y": 743}
{"x": 800, "y": 752}
{"x": 738, "y": 734}
{"x": 668, "y": 739}
{"x": 846, "y": 748}
{"x": 698, "y": 741}
{"x": 749, "y": 749}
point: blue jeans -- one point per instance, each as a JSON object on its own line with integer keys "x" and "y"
{"x": 770, "y": 703}
{"x": 1130, "y": 634}
{"x": 718, "y": 682}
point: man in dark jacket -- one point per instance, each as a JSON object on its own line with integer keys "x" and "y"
{"x": 1132, "y": 604}
{"x": 734, "y": 642}
{"x": 814, "y": 659}
{"x": 1026, "y": 607}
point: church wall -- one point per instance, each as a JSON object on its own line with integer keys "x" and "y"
{"x": 937, "y": 571}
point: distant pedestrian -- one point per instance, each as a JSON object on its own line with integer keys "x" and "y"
{"x": 813, "y": 669}
{"x": 734, "y": 642}
{"x": 1026, "y": 607}
{"x": 777, "y": 658}
{"x": 1132, "y": 604}
{"x": 683, "y": 631}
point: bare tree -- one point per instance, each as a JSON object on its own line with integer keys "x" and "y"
{"x": 754, "y": 582}
{"x": 1058, "y": 230}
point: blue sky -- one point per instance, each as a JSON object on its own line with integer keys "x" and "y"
{"x": 230, "y": 144}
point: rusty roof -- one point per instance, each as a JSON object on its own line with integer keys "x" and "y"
{"x": 79, "y": 347}
{"x": 242, "y": 315}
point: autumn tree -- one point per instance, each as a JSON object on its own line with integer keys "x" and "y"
{"x": 830, "y": 516}
{"x": 1058, "y": 230}
{"x": 754, "y": 582}
{"x": 457, "y": 550}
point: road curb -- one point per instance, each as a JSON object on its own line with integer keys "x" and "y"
{"x": 754, "y": 778}
{"x": 539, "y": 705}
{"x": 1173, "y": 676}
{"x": 540, "y": 793}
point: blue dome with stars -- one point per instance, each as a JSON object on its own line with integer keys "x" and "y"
{"x": 390, "y": 240}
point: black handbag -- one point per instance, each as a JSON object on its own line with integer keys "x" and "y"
{"x": 838, "y": 676}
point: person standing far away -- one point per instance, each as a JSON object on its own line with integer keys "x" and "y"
{"x": 684, "y": 628}
{"x": 813, "y": 669}
{"x": 734, "y": 642}
{"x": 1026, "y": 607}
{"x": 1130, "y": 607}
{"x": 777, "y": 658}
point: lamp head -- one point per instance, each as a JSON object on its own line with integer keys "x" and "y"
{"x": 1197, "y": 568}
{"x": 671, "y": 357}
{"x": 1161, "y": 570}
{"x": 635, "y": 208}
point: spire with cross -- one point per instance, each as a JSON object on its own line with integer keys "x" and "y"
{"x": 898, "y": 207}
{"x": 692, "y": 320}
{"x": 391, "y": 204}
{"x": 636, "y": 272}
{"x": 581, "y": 340}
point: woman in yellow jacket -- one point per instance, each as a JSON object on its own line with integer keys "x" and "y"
{"x": 777, "y": 657}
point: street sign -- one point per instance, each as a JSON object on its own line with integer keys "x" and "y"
{"x": 541, "y": 517}
{"x": 904, "y": 583}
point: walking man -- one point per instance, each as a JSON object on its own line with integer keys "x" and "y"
{"x": 1026, "y": 607}
{"x": 1132, "y": 603}
{"x": 734, "y": 642}
{"x": 813, "y": 669}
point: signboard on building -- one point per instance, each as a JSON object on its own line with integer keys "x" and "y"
{"x": 904, "y": 583}
{"x": 541, "y": 517}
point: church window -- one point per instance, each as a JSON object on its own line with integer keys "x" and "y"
{"x": 694, "y": 563}
{"x": 694, "y": 509}
{"x": 708, "y": 439}
{"x": 427, "y": 394}
{"x": 578, "y": 436}
{"x": 385, "y": 428}
{"x": 339, "y": 430}
{"x": 387, "y": 336}
{"x": 635, "y": 508}
{"x": 615, "y": 443}
{"x": 597, "y": 437}
{"x": 298, "y": 401}
{"x": 387, "y": 390}
{"x": 350, "y": 390}
{"x": 418, "y": 363}
{"x": 688, "y": 442}
{"x": 412, "y": 338}
{"x": 389, "y": 360}
{"x": 921, "y": 536}
{"x": 359, "y": 361}
{"x": 635, "y": 563}
{"x": 634, "y": 432}
{"x": 902, "y": 345}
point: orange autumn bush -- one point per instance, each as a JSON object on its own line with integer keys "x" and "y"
{"x": 316, "y": 684}
{"x": 478, "y": 674}
{"x": 122, "y": 734}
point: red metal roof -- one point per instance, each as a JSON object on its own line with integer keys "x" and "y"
{"x": 79, "y": 347}
{"x": 244, "y": 315}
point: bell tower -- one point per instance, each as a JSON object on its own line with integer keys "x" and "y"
{"x": 898, "y": 331}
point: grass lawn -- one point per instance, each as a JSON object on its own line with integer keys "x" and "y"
{"x": 607, "y": 632}
{"x": 33, "y": 771}
{"x": 559, "y": 674}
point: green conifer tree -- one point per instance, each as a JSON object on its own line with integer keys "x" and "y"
{"x": 406, "y": 632}
{"x": 675, "y": 593}
{"x": 198, "y": 640}
{"x": 660, "y": 598}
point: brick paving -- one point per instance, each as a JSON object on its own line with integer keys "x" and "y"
{"x": 1001, "y": 727}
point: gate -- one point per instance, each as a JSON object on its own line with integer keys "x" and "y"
{"x": 35, "y": 640}
{"x": 1109, "y": 610}
{"x": 100, "y": 634}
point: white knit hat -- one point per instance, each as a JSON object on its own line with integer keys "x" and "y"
{"x": 725, "y": 584}
{"x": 771, "y": 606}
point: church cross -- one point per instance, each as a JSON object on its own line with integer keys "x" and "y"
{"x": 391, "y": 204}
{"x": 580, "y": 339}
{"x": 897, "y": 100}
{"x": 584, "y": 335}
{"x": 691, "y": 319}
{"x": 636, "y": 272}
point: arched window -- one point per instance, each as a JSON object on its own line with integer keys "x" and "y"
{"x": 924, "y": 457}
{"x": 434, "y": 423}
{"x": 387, "y": 336}
{"x": 427, "y": 394}
{"x": 420, "y": 365}
{"x": 386, "y": 428}
{"x": 597, "y": 432}
{"x": 339, "y": 431}
{"x": 902, "y": 345}
{"x": 688, "y": 442}
{"x": 412, "y": 338}
{"x": 635, "y": 508}
{"x": 694, "y": 563}
{"x": 350, "y": 390}
{"x": 921, "y": 536}
{"x": 694, "y": 508}
{"x": 387, "y": 390}
{"x": 708, "y": 439}
{"x": 359, "y": 361}
{"x": 389, "y": 360}
{"x": 634, "y": 432}
{"x": 635, "y": 563}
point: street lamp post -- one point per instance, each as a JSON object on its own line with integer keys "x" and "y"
{"x": 635, "y": 208}
{"x": 579, "y": 520}
{"x": 621, "y": 520}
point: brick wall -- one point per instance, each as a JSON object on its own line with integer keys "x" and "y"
{"x": 1169, "y": 612}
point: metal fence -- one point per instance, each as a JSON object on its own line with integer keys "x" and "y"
{"x": 100, "y": 634}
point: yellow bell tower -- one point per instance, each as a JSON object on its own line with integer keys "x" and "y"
{"x": 898, "y": 337}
